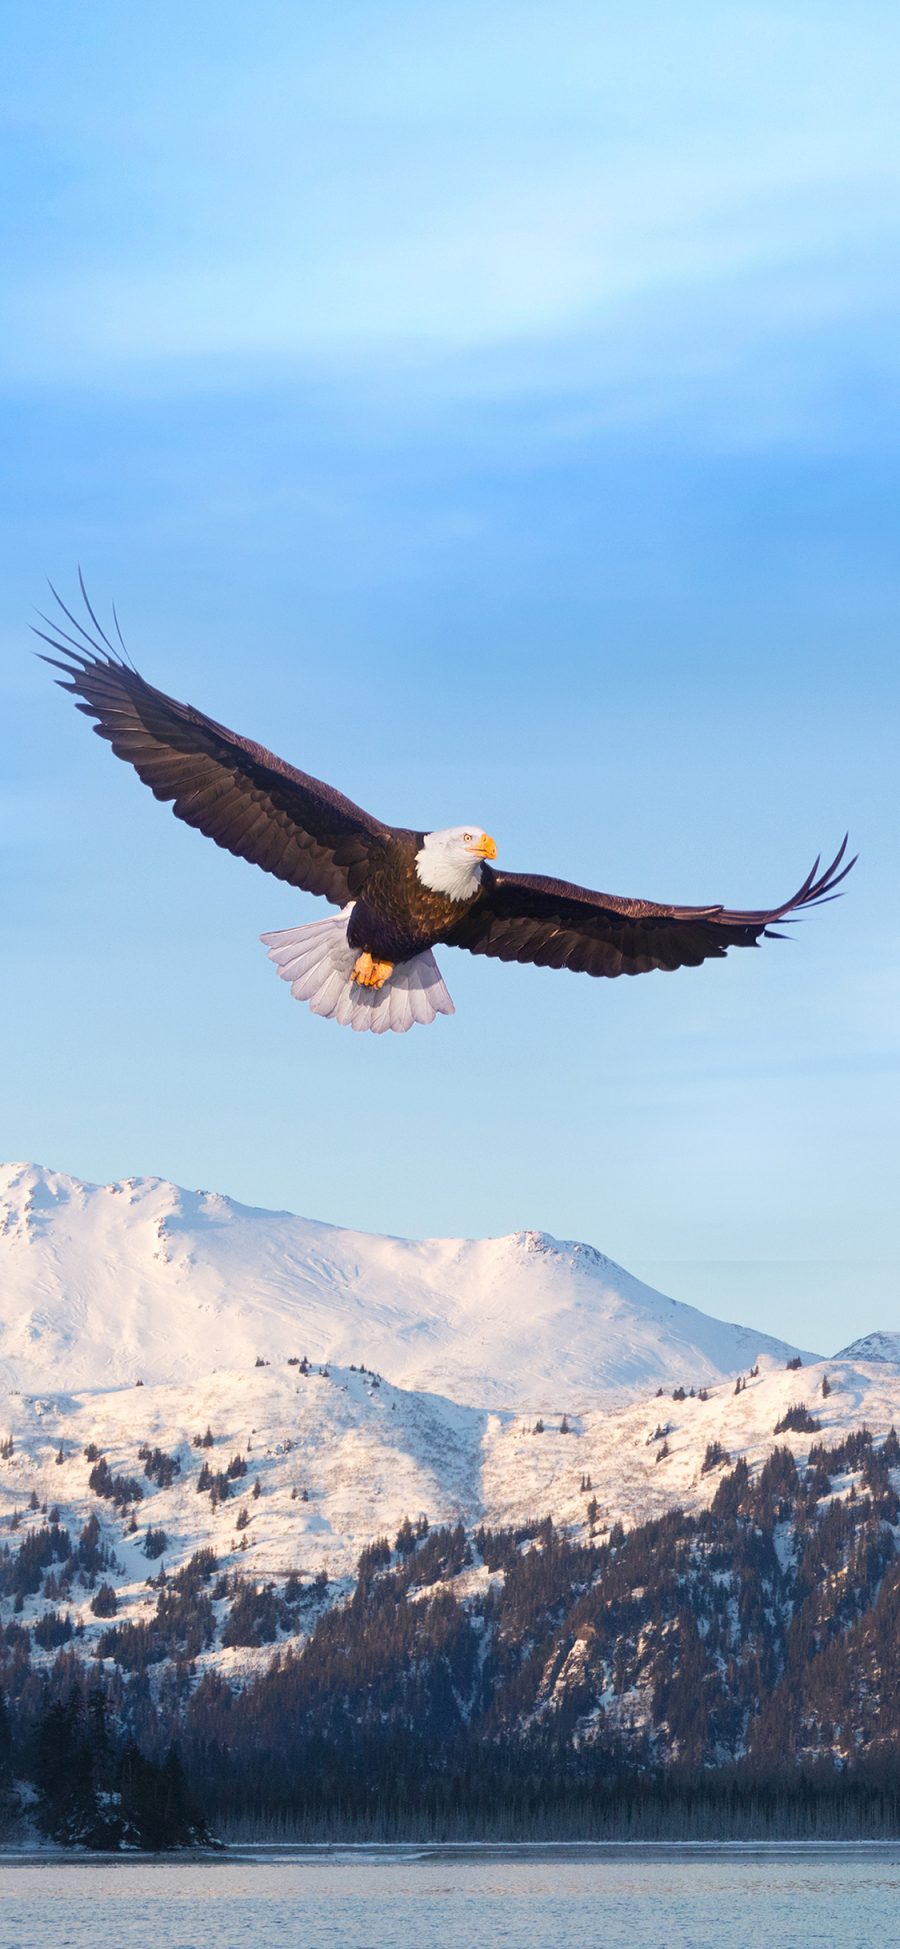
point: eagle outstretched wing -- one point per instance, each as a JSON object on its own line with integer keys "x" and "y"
{"x": 239, "y": 794}
{"x": 524, "y": 917}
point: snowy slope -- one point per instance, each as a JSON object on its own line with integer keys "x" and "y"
{"x": 874, "y": 1346}
{"x": 340, "y": 1458}
{"x": 102, "y": 1285}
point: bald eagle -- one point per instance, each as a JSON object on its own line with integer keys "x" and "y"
{"x": 400, "y": 891}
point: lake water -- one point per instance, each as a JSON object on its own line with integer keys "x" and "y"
{"x": 460, "y": 1898}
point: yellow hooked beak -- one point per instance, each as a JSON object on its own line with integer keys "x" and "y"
{"x": 484, "y": 848}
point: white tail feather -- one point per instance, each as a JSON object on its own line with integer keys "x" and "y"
{"x": 318, "y": 962}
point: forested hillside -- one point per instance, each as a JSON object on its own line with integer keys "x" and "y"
{"x": 731, "y": 1669}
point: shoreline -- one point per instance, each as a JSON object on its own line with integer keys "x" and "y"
{"x": 319, "y": 1852}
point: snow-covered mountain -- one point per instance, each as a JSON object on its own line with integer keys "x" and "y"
{"x": 884, "y": 1347}
{"x": 104, "y": 1285}
{"x": 491, "y": 1382}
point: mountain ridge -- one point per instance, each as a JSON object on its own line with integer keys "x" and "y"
{"x": 882, "y": 1346}
{"x": 142, "y": 1279}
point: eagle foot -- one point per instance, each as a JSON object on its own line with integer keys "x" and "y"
{"x": 371, "y": 974}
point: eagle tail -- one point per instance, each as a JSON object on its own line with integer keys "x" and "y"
{"x": 318, "y": 961}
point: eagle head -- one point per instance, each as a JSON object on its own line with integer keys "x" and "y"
{"x": 450, "y": 861}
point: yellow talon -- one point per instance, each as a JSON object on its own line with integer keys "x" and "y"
{"x": 371, "y": 974}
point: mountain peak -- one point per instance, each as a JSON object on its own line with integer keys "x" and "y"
{"x": 571, "y": 1249}
{"x": 878, "y": 1346}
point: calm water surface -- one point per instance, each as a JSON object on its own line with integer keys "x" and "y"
{"x": 459, "y": 1898}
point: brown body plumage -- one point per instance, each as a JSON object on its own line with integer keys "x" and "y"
{"x": 395, "y": 916}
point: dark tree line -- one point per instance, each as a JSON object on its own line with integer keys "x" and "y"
{"x": 91, "y": 1789}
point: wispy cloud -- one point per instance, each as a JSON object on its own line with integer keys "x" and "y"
{"x": 528, "y": 261}
{"x": 346, "y": 202}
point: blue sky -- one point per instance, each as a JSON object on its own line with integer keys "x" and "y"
{"x": 495, "y": 409}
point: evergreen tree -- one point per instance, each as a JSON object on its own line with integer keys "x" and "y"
{"x": 70, "y": 1750}
{"x": 156, "y": 1808}
{"x": 8, "y": 1800}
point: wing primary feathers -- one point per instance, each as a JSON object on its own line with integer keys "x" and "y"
{"x": 97, "y": 625}
{"x": 111, "y": 655}
{"x": 245, "y": 798}
{"x": 125, "y": 651}
{"x": 93, "y": 646}
{"x": 75, "y": 651}
{"x": 816, "y": 892}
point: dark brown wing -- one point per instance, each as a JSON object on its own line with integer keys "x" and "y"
{"x": 522, "y": 917}
{"x": 239, "y": 794}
